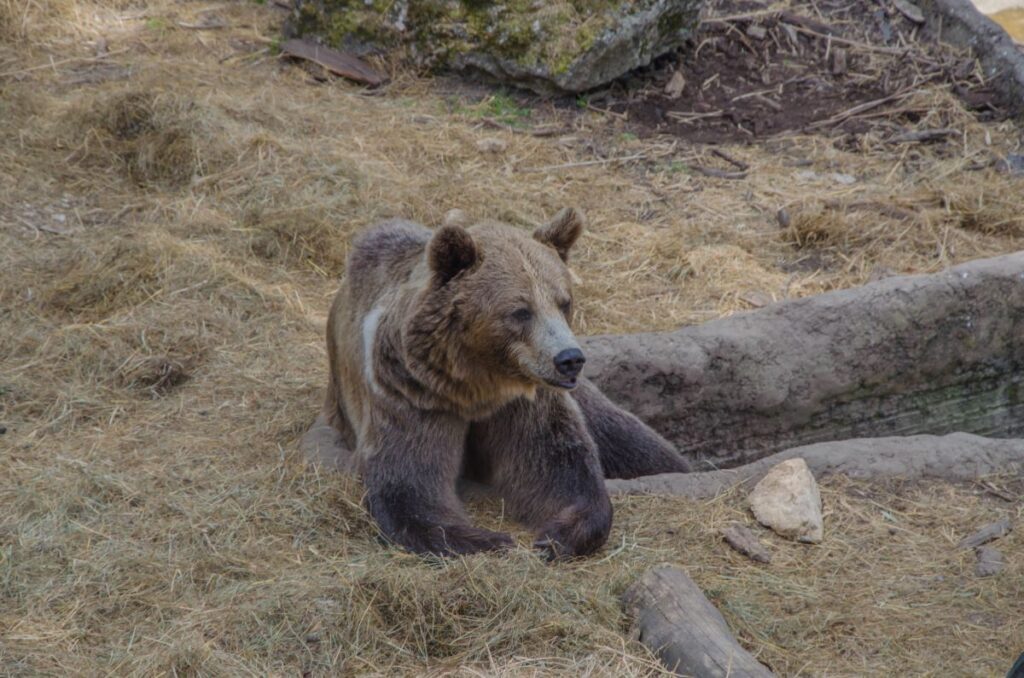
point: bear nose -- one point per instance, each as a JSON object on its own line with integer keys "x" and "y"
{"x": 569, "y": 362}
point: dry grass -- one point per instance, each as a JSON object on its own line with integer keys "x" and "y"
{"x": 175, "y": 211}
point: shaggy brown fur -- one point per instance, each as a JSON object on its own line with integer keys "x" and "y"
{"x": 451, "y": 355}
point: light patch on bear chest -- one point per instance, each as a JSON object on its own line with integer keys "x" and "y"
{"x": 370, "y": 324}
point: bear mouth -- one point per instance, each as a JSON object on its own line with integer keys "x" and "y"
{"x": 567, "y": 384}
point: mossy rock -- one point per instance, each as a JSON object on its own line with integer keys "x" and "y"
{"x": 549, "y": 47}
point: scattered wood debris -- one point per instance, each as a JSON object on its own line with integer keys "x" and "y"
{"x": 924, "y": 136}
{"x": 743, "y": 540}
{"x": 334, "y": 61}
{"x": 987, "y": 533}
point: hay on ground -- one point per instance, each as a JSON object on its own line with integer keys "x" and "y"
{"x": 177, "y": 207}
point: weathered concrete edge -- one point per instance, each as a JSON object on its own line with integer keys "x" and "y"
{"x": 959, "y": 23}
{"x": 955, "y": 457}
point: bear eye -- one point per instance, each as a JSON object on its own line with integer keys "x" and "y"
{"x": 565, "y": 307}
{"x": 522, "y": 315}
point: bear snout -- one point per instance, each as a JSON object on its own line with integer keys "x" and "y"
{"x": 569, "y": 363}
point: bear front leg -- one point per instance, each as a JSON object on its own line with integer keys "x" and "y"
{"x": 628, "y": 447}
{"x": 412, "y": 462}
{"x": 543, "y": 462}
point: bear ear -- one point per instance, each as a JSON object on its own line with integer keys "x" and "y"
{"x": 562, "y": 231}
{"x": 451, "y": 251}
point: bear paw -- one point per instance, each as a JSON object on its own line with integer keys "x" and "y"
{"x": 451, "y": 540}
{"x": 574, "y": 533}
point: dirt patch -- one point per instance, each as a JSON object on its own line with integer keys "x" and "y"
{"x": 753, "y": 71}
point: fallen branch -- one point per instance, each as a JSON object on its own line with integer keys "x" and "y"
{"x": 585, "y": 163}
{"x": 851, "y": 43}
{"x": 808, "y": 23}
{"x": 717, "y": 173}
{"x": 63, "y": 62}
{"x": 924, "y": 136}
{"x": 858, "y": 109}
{"x": 739, "y": 164}
{"x": 746, "y": 542}
{"x": 679, "y": 624}
{"x": 989, "y": 532}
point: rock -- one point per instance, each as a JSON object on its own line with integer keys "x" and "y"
{"x": 676, "y": 85}
{"x": 909, "y": 10}
{"x": 1012, "y": 164}
{"x": 787, "y": 501}
{"x": 549, "y": 47}
{"x": 990, "y": 561}
{"x": 757, "y": 31}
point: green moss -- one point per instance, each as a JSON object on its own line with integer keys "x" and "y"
{"x": 534, "y": 34}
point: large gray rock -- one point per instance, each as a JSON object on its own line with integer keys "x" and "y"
{"x": 549, "y": 47}
{"x": 903, "y": 356}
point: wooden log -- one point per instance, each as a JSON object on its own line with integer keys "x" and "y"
{"x": 927, "y": 354}
{"x": 679, "y": 624}
{"x": 741, "y": 539}
{"x": 956, "y": 457}
{"x": 988, "y": 533}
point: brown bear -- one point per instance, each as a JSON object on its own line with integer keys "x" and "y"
{"x": 451, "y": 356}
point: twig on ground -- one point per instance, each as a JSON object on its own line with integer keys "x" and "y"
{"x": 739, "y": 164}
{"x": 717, "y": 173}
{"x": 585, "y": 163}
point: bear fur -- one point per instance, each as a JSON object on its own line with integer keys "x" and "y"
{"x": 451, "y": 357}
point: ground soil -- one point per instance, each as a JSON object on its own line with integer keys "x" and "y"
{"x": 176, "y": 207}
{"x": 752, "y": 73}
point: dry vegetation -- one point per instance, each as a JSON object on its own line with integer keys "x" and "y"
{"x": 176, "y": 207}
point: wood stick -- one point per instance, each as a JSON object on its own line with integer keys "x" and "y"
{"x": 852, "y": 43}
{"x": 739, "y": 164}
{"x": 585, "y": 163}
{"x": 335, "y": 61}
{"x": 62, "y": 62}
{"x": 679, "y": 624}
{"x": 717, "y": 173}
{"x": 995, "y": 530}
{"x": 924, "y": 136}
{"x": 859, "y": 108}
{"x": 746, "y": 542}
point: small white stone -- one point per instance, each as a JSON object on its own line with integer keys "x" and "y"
{"x": 787, "y": 501}
{"x": 676, "y": 85}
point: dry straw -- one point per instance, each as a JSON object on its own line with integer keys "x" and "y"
{"x": 176, "y": 207}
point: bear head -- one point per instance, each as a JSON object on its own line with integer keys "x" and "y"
{"x": 494, "y": 319}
